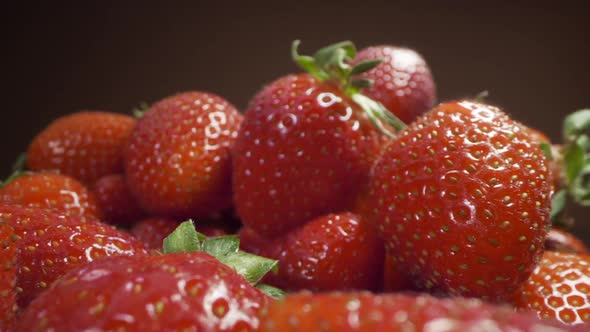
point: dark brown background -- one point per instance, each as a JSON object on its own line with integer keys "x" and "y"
{"x": 532, "y": 57}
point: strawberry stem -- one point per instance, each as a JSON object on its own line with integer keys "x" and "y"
{"x": 331, "y": 64}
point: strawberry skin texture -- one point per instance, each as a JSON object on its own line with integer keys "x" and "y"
{"x": 332, "y": 252}
{"x": 177, "y": 160}
{"x": 303, "y": 151}
{"x": 559, "y": 288}
{"x": 52, "y": 191}
{"x": 363, "y": 311}
{"x": 560, "y": 240}
{"x": 176, "y": 292}
{"x": 8, "y": 305}
{"x": 462, "y": 200}
{"x": 117, "y": 204}
{"x": 85, "y": 145}
{"x": 50, "y": 244}
{"x": 403, "y": 82}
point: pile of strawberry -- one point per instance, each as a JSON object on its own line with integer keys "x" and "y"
{"x": 370, "y": 208}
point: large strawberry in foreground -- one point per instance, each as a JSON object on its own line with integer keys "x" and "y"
{"x": 462, "y": 200}
{"x": 177, "y": 160}
{"x": 85, "y": 145}
{"x": 403, "y": 82}
{"x": 178, "y": 291}
{"x": 360, "y": 312}
{"x": 307, "y": 143}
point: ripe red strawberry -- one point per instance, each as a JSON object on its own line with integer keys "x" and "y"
{"x": 177, "y": 160}
{"x": 560, "y": 240}
{"x": 332, "y": 252}
{"x": 462, "y": 200}
{"x": 85, "y": 145}
{"x": 7, "y": 275}
{"x": 402, "y": 82}
{"x": 115, "y": 201}
{"x": 152, "y": 231}
{"x": 50, "y": 244}
{"x": 306, "y": 145}
{"x": 360, "y": 312}
{"x": 395, "y": 280}
{"x": 559, "y": 288}
{"x": 173, "y": 292}
{"x": 51, "y": 190}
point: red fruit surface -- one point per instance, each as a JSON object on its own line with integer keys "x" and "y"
{"x": 176, "y": 292}
{"x": 462, "y": 200}
{"x": 85, "y": 145}
{"x": 50, "y": 244}
{"x": 115, "y": 201}
{"x": 332, "y": 252}
{"x": 403, "y": 82}
{"x": 395, "y": 280}
{"x": 303, "y": 151}
{"x": 559, "y": 288}
{"x": 53, "y": 191}
{"x": 177, "y": 160}
{"x": 560, "y": 240}
{"x": 360, "y": 312}
{"x": 8, "y": 305}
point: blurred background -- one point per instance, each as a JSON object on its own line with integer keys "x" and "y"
{"x": 533, "y": 58}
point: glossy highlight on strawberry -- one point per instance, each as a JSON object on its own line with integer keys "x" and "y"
{"x": 462, "y": 200}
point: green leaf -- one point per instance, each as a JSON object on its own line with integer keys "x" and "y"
{"x": 376, "y": 111}
{"x": 20, "y": 164}
{"x": 183, "y": 239}
{"x": 580, "y": 188}
{"x": 271, "y": 291}
{"x": 362, "y": 83}
{"x": 307, "y": 63}
{"x": 576, "y": 124}
{"x": 481, "y": 96}
{"x": 365, "y": 66}
{"x": 140, "y": 110}
{"x": 335, "y": 53}
{"x": 546, "y": 147}
{"x": 558, "y": 203}
{"x": 250, "y": 266}
{"x": 574, "y": 158}
{"x": 221, "y": 246}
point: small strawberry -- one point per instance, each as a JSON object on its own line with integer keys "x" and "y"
{"x": 560, "y": 240}
{"x": 362, "y": 311}
{"x": 115, "y": 201}
{"x": 152, "y": 231}
{"x": 462, "y": 200}
{"x": 177, "y": 160}
{"x": 7, "y": 274}
{"x": 559, "y": 288}
{"x": 177, "y": 291}
{"x": 85, "y": 145}
{"x": 332, "y": 252}
{"x": 50, "y": 190}
{"x": 50, "y": 244}
{"x": 402, "y": 82}
{"x": 307, "y": 143}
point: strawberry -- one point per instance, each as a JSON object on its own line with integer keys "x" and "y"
{"x": 51, "y": 243}
{"x": 362, "y": 311}
{"x": 306, "y": 144}
{"x": 462, "y": 200}
{"x": 177, "y": 160}
{"x": 177, "y": 291}
{"x": 152, "y": 231}
{"x": 51, "y": 190}
{"x": 332, "y": 252}
{"x": 115, "y": 201}
{"x": 560, "y": 240}
{"x": 85, "y": 145}
{"x": 7, "y": 274}
{"x": 394, "y": 280}
{"x": 558, "y": 288}
{"x": 403, "y": 82}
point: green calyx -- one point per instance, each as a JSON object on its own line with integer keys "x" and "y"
{"x": 332, "y": 64}
{"x": 573, "y": 158}
{"x": 19, "y": 168}
{"x": 140, "y": 110}
{"x": 226, "y": 249}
